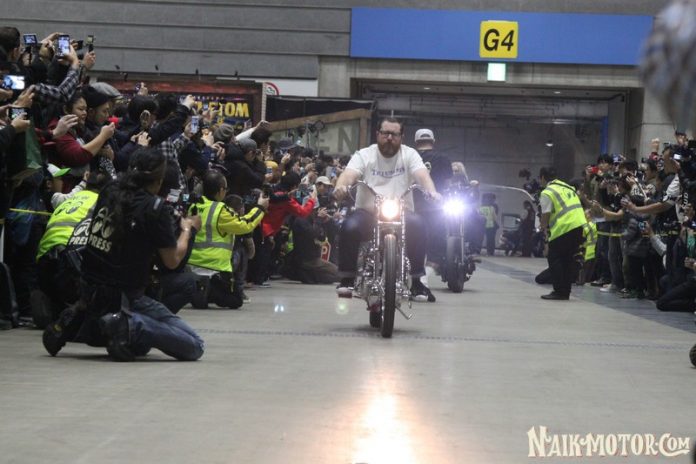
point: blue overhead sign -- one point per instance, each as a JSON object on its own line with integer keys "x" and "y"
{"x": 456, "y": 35}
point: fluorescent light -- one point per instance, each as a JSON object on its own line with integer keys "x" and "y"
{"x": 549, "y": 143}
{"x": 497, "y": 72}
{"x": 426, "y": 88}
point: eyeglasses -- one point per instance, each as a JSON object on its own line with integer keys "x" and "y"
{"x": 395, "y": 135}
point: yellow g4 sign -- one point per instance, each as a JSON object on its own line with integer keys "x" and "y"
{"x": 499, "y": 39}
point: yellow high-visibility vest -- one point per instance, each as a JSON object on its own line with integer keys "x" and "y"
{"x": 567, "y": 213}
{"x": 64, "y": 219}
{"x": 211, "y": 249}
{"x": 489, "y": 213}
{"x": 589, "y": 231}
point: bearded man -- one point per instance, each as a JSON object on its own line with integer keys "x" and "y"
{"x": 390, "y": 168}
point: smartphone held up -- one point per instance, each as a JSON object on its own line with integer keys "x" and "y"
{"x": 63, "y": 45}
{"x": 195, "y": 124}
{"x": 13, "y": 82}
{"x": 17, "y": 113}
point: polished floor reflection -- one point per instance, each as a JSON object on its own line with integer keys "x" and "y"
{"x": 298, "y": 376}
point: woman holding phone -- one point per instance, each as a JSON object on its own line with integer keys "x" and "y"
{"x": 72, "y": 150}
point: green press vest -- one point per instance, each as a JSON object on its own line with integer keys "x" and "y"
{"x": 567, "y": 213}
{"x": 64, "y": 219}
{"x": 212, "y": 250}
{"x": 589, "y": 230}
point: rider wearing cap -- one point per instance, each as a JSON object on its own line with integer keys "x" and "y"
{"x": 440, "y": 168}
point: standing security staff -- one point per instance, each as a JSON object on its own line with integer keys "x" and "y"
{"x": 562, "y": 213}
{"x": 214, "y": 243}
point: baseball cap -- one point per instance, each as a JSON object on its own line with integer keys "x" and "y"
{"x": 424, "y": 134}
{"x": 323, "y": 180}
{"x": 55, "y": 171}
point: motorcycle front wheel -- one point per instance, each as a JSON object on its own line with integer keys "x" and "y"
{"x": 455, "y": 271}
{"x": 389, "y": 283}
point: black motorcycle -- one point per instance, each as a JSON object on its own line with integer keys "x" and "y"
{"x": 459, "y": 204}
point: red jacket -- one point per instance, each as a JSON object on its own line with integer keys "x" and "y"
{"x": 67, "y": 150}
{"x": 278, "y": 211}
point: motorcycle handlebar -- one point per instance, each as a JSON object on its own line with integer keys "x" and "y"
{"x": 409, "y": 190}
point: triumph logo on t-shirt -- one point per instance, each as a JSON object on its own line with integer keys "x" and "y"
{"x": 389, "y": 174}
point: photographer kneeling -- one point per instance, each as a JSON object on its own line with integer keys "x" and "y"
{"x": 129, "y": 226}
{"x": 212, "y": 250}
{"x": 58, "y": 263}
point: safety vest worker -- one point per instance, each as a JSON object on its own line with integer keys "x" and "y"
{"x": 590, "y": 234}
{"x": 567, "y": 213}
{"x": 562, "y": 214}
{"x": 214, "y": 243}
{"x": 488, "y": 212}
{"x": 64, "y": 219}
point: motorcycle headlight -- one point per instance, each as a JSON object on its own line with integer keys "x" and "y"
{"x": 455, "y": 207}
{"x": 390, "y": 209}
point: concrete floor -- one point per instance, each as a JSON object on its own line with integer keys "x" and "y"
{"x": 295, "y": 377}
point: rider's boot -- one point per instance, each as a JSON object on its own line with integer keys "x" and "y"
{"x": 420, "y": 292}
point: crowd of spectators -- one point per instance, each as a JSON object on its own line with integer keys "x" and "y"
{"x": 64, "y": 138}
{"x": 643, "y": 231}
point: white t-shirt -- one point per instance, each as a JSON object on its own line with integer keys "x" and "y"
{"x": 390, "y": 177}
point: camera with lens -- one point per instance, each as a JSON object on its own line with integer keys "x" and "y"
{"x": 182, "y": 203}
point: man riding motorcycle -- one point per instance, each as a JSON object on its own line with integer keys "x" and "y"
{"x": 390, "y": 168}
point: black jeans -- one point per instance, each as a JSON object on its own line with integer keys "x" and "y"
{"x": 635, "y": 272}
{"x": 358, "y": 228}
{"x": 437, "y": 235}
{"x": 562, "y": 260}
{"x": 490, "y": 240}
{"x": 679, "y": 298}
{"x": 58, "y": 279}
{"x": 177, "y": 289}
{"x": 224, "y": 292}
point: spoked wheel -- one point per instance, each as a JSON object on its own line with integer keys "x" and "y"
{"x": 390, "y": 272}
{"x": 456, "y": 274}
